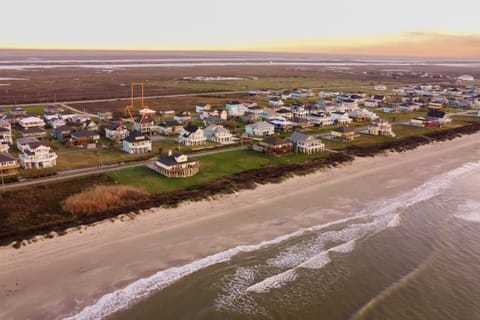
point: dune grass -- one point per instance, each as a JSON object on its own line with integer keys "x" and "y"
{"x": 101, "y": 198}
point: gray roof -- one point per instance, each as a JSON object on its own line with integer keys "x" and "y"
{"x": 26, "y": 140}
{"x": 297, "y": 136}
{"x": 4, "y": 157}
{"x": 84, "y": 133}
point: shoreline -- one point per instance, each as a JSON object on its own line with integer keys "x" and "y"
{"x": 62, "y": 275}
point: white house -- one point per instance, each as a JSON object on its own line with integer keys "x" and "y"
{"x": 192, "y": 136}
{"x": 370, "y": 103}
{"x": 55, "y": 123}
{"x": 183, "y": 117}
{"x": 116, "y": 132}
{"x": 137, "y": 143}
{"x": 235, "y": 108}
{"x": 320, "y": 119}
{"x": 340, "y": 117}
{"x": 176, "y": 166}
{"x": 305, "y": 143}
{"x": 6, "y": 135}
{"x": 4, "y": 147}
{"x": 201, "y": 107}
{"x": 260, "y": 129}
{"x": 218, "y": 134}
{"x": 275, "y": 102}
{"x": 31, "y": 122}
{"x": 363, "y": 113}
{"x": 381, "y": 127}
{"x": 37, "y": 155}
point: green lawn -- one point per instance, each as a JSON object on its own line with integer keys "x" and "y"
{"x": 211, "y": 167}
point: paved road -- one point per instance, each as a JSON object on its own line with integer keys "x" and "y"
{"x": 81, "y": 172}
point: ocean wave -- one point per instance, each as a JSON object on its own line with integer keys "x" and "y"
{"x": 137, "y": 290}
{"x": 276, "y": 281}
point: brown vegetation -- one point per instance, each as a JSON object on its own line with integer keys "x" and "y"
{"x": 102, "y": 198}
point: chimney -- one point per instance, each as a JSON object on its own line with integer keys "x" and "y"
{"x": 169, "y": 153}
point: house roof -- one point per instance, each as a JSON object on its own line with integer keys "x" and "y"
{"x": 170, "y": 160}
{"x": 63, "y": 129}
{"x": 84, "y": 134}
{"x": 5, "y": 157}
{"x": 32, "y": 130}
{"x": 297, "y": 136}
{"x": 275, "y": 141}
{"x": 191, "y": 128}
{"x": 26, "y": 140}
{"x": 136, "y": 136}
{"x": 35, "y": 145}
{"x": 261, "y": 125}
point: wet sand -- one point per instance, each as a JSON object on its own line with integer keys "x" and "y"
{"x": 56, "y": 277}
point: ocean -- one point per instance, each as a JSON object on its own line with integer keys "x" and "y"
{"x": 413, "y": 256}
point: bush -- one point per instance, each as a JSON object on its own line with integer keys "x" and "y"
{"x": 103, "y": 198}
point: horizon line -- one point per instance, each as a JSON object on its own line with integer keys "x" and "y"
{"x": 58, "y": 49}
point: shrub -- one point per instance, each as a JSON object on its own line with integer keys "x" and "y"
{"x": 102, "y": 198}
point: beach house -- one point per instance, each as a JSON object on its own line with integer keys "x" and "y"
{"x": 37, "y": 155}
{"x": 62, "y": 133}
{"x": 176, "y": 166}
{"x": 200, "y": 107}
{"x": 235, "y": 108}
{"x": 344, "y": 134}
{"x": 170, "y": 127}
{"x": 305, "y": 143}
{"x": 8, "y": 165}
{"x": 116, "y": 132}
{"x": 274, "y": 145}
{"x": 31, "y": 122}
{"x": 84, "y": 138}
{"x": 260, "y": 129}
{"x": 192, "y": 136}
{"x": 380, "y": 127}
{"x": 137, "y": 143}
{"x": 218, "y": 134}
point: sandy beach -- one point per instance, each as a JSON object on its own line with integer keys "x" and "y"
{"x": 57, "y": 277}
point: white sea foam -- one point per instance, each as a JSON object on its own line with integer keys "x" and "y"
{"x": 123, "y": 298}
{"x": 469, "y": 211}
{"x": 344, "y": 248}
{"x": 317, "y": 262}
{"x": 276, "y": 281}
{"x": 395, "y": 222}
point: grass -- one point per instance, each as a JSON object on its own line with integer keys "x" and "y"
{"x": 91, "y": 158}
{"x": 211, "y": 168}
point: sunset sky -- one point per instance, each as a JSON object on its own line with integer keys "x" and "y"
{"x": 407, "y": 27}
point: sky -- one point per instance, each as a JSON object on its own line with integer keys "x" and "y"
{"x": 407, "y": 27}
